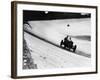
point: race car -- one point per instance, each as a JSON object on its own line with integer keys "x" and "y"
{"x": 67, "y": 43}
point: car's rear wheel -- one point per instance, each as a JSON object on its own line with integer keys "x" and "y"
{"x": 74, "y": 48}
{"x": 61, "y": 43}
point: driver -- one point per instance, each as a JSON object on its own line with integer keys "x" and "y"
{"x": 66, "y": 38}
{"x": 68, "y": 41}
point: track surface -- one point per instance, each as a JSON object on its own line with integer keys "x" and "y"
{"x": 46, "y": 55}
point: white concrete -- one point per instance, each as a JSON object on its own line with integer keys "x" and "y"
{"x": 49, "y": 56}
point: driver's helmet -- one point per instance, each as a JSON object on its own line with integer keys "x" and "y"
{"x": 66, "y": 38}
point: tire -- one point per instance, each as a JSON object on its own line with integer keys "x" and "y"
{"x": 74, "y": 48}
{"x": 61, "y": 43}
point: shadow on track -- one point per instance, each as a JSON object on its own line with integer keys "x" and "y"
{"x": 83, "y": 53}
{"x": 78, "y": 52}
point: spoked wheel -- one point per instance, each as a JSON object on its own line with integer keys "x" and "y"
{"x": 74, "y": 48}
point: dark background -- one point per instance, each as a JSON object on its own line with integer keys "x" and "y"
{"x": 41, "y": 15}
